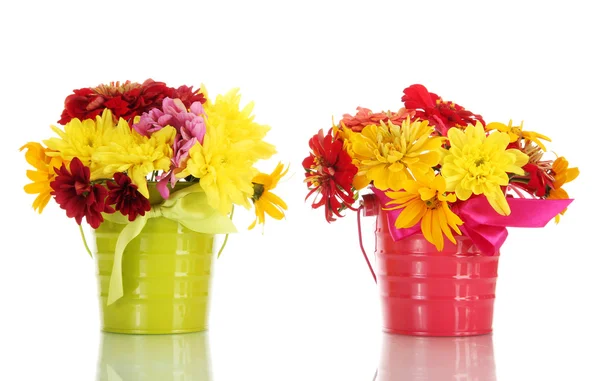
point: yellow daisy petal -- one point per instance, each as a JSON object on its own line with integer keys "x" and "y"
{"x": 424, "y": 200}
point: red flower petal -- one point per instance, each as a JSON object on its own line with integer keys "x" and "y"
{"x": 329, "y": 175}
{"x": 126, "y": 198}
{"x": 73, "y": 192}
{"x": 439, "y": 113}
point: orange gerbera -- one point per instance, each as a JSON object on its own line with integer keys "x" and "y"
{"x": 562, "y": 174}
{"x": 43, "y": 175}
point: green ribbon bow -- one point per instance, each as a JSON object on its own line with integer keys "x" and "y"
{"x": 188, "y": 206}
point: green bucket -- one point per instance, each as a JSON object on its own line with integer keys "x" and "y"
{"x": 167, "y": 272}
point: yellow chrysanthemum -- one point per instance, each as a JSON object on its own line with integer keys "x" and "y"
{"x": 239, "y": 125}
{"x": 224, "y": 169}
{"x": 425, "y": 200}
{"x": 385, "y": 153}
{"x": 264, "y": 200}
{"x": 44, "y": 174}
{"x": 136, "y": 154}
{"x": 82, "y": 138}
{"x": 479, "y": 164}
{"x": 562, "y": 175}
{"x": 516, "y": 132}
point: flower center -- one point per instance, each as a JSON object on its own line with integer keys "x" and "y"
{"x": 433, "y": 203}
{"x": 391, "y": 154}
{"x": 440, "y": 103}
{"x": 82, "y": 188}
{"x": 259, "y": 189}
{"x": 319, "y": 162}
{"x": 516, "y": 130}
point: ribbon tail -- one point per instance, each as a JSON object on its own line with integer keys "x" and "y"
{"x": 488, "y": 239}
{"x": 112, "y": 374}
{"x": 129, "y": 232}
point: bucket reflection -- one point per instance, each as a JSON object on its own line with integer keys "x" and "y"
{"x": 181, "y": 357}
{"x": 413, "y": 358}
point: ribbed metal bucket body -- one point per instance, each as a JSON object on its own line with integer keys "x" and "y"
{"x": 430, "y": 293}
{"x": 166, "y": 278}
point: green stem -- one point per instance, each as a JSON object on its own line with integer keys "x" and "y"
{"x": 99, "y": 181}
{"x": 84, "y": 241}
{"x": 518, "y": 180}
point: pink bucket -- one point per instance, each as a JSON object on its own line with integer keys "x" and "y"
{"x": 429, "y": 293}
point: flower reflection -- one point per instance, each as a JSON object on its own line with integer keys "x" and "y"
{"x": 413, "y": 358}
{"x": 182, "y": 357}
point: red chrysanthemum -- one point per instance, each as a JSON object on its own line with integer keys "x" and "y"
{"x": 126, "y": 198}
{"x": 188, "y": 95}
{"x": 126, "y": 100}
{"x": 364, "y": 117}
{"x": 74, "y": 192}
{"x": 329, "y": 175}
{"x": 441, "y": 114}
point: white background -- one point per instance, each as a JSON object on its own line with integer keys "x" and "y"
{"x": 297, "y": 302}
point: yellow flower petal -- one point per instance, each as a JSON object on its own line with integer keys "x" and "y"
{"x": 498, "y": 201}
{"x": 497, "y": 126}
{"x": 272, "y": 210}
{"x": 266, "y": 201}
{"x": 571, "y": 174}
{"x": 482, "y": 164}
{"x": 427, "y": 193}
{"x": 275, "y": 200}
{"x": 384, "y": 153}
{"x": 463, "y": 193}
{"x": 360, "y": 182}
{"x": 238, "y": 125}
{"x": 436, "y": 231}
{"x": 41, "y": 201}
{"x": 562, "y": 174}
{"x": 424, "y": 200}
{"x": 411, "y": 214}
{"x": 39, "y": 158}
{"x": 426, "y": 228}
{"x": 443, "y": 221}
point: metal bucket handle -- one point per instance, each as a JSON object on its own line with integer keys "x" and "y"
{"x": 368, "y": 206}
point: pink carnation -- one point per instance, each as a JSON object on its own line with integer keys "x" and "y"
{"x": 190, "y": 128}
{"x": 174, "y": 113}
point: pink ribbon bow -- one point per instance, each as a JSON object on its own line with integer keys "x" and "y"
{"x": 485, "y": 227}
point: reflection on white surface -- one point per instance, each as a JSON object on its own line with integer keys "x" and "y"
{"x": 181, "y": 357}
{"x": 412, "y": 358}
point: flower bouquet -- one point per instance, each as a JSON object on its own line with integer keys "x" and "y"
{"x": 155, "y": 171}
{"x": 445, "y": 185}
